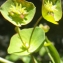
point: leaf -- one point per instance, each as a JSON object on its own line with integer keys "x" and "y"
{"x": 16, "y": 46}
{"x": 52, "y": 10}
{"x": 42, "y": 51}
{"x": 16, "y": 20}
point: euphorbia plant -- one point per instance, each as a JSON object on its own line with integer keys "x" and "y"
{"x": 27, "y": 41}
{"x": 18, "y": 12}
{"x": 52, "y": 10}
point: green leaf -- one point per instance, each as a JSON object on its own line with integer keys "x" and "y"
{"x": 42, "y": 51}
{"x": 26, "y": 59}
{"x": 16, "y": 19}
{"x": 16, "y": 46}
{"x": 52, "y": 10}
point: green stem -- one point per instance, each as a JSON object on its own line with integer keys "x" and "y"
{"x": 2, "y": 60}
{"x": 33, "y": 59}
{"x": 18, "y": 31}
{"x": 34, "y": 28}
{"x": 52, "y": 52}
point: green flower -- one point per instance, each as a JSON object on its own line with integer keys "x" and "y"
{"x": 18, "y": 12}
{"x": 52, "y": 10}
{"x": 50, "y": 7}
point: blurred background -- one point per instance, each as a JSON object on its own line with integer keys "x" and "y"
{"x": 55, "y": 33}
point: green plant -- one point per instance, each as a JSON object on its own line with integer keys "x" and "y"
{"x": 28, "y": 41}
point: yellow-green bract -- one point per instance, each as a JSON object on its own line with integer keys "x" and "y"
{"x": 18, "y": 12}
{"x": 51, "y": 10}
{"x": 16, "y": 46}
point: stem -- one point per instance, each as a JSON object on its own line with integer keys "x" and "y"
{"x": 34, "y": 28}
{"x": 52, "y": 52}
{"x": 4, "y": 60}
{"x": 33, "y": 59}
{"x": 18, "y": 31}
{"x": 47, "y": 50}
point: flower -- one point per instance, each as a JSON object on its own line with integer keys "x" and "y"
{"x": 18, "y": 10}
{"x": 50, "y": 7}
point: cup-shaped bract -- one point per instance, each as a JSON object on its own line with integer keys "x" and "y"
{"x": 18, "y": 12}
{"x": 17, "y": 47}
{"x": 52, "y": 10}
